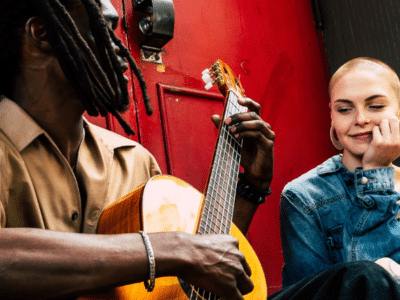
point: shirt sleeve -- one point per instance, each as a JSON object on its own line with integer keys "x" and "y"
{"x": 303, "y": 243}
{"x": 154, "y": 167}
{"x": 375, "y": 186}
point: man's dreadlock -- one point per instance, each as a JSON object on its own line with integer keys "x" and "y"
{"x": 101, "y": 89}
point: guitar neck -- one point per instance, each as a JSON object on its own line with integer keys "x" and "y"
{"x": 220, "y": 192}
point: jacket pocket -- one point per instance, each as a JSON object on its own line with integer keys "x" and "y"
{"x": 334, "y": 239}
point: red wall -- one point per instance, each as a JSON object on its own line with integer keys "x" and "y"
{"x": 273, "y": 47}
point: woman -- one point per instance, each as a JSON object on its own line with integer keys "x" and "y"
{"x": 346, "y": 209}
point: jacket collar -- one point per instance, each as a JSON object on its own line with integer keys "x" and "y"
{"x": 330, "y": 166}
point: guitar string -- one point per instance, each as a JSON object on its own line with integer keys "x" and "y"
{"x": 210, "y": 206}
{"x": 228, "y": 188}
{"x": 221, "y": 169}
{"x": 213, "y": 183}
{"x": 212, "y": 191}
{"x": 215, "y": 191}
{"x": 230, "y": 159}
{"x": 228, "y": 203}
{"x": 209, "y": 209}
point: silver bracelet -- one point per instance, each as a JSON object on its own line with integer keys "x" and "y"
{"x": 152, "y": 262}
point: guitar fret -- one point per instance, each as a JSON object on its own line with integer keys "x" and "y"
{"x": 221, "y": 193}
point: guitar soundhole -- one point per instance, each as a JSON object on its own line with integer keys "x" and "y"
{"x": 194, "y": 293}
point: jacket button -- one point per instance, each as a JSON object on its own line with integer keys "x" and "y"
{"x": 364, "y": 180}
{"x": 348, "y": 182}
{"x": 74, "y": 216}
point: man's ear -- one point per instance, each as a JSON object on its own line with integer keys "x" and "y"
{"x": 37, "y": 33}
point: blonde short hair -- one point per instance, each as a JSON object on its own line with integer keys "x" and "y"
{"x": 367, "y": 63}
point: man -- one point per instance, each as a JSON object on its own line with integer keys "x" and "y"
{"x": 59, "y": 172}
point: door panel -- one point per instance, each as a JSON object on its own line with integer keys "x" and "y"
{"x": 180, "y": 132}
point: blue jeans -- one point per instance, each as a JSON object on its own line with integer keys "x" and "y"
{"x": 352, "y": 280}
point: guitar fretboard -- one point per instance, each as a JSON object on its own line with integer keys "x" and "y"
{"x": 221, "y": 189}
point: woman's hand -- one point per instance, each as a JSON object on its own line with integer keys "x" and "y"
{"x": 391, "y": 266}
{"x": 385, "y": 145}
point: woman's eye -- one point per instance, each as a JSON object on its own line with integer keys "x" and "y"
{"x": 377, "y": 106}
{"x": 343, "y": 110}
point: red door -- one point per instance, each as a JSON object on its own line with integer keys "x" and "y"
{"x": 273, "y": 47}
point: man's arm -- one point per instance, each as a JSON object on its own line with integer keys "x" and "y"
{"x": 44, "y": 264}
{"x": 257, "y": 156}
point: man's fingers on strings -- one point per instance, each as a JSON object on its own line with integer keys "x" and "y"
{"x": 233, "y": 294}
{"x": 246, "y": 267}
{"x": 251, "y": 105}
{"x": 253, "y": 129}
{"x": 241, "y": 117}
{"x": 245, "y": 285}
{"x": 216, "y": 119}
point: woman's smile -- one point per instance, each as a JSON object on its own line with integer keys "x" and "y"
{"x": 362, "y": 136}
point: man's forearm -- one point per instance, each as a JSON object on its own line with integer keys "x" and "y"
{"x": 243, "y": 214}
{"x": 43, "y": 264}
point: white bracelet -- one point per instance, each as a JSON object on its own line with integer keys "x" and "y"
{"x": 152, "y": 262}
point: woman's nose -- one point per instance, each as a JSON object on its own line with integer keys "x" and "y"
{"x": 361, "y": 118}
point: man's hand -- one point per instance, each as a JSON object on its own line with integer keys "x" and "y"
{"x": 257, "y": 155}
{"x": 385, "y": 145}
{"x": 213, "y": 263}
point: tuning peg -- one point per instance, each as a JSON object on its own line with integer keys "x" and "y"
{"x": 206, "y": 71}
{"x": 209, "y": 85}
{"x": 206, "y": 78}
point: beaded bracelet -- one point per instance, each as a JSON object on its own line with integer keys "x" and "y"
{"x": 152, "y": 262}
{"x": 250, "y": 192}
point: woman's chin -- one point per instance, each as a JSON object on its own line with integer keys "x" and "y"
{"x": 357, "y": 151}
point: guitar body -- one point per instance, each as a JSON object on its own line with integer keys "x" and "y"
{"x": 166, "y": 203}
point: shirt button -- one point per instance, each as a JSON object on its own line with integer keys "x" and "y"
{"x": 74, "y": 216}
{"x": 364, "y": 180}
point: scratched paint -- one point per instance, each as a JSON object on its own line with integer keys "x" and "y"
{"x": 171, "y": 205}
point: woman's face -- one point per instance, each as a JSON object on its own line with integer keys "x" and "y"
{"x": 360, "y": 100}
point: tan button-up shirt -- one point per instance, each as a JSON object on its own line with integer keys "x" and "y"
{"x": 38, "y": 187}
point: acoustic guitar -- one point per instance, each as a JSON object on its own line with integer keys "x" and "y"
{"x": 166, "y": 203}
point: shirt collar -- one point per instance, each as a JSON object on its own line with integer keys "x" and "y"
{"x": 330, "y": 166}
{"x": 109, "y": 139}
{"x": 19, "y": 127}
{"x": 22, "y": 130}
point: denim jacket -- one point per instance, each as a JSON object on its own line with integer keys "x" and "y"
{"x": 330, "y": 215}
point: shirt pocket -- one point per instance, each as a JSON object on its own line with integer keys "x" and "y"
{"x": 334, "y": 240}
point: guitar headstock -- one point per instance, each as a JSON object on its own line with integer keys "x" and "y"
{"x": 221, "y": 74}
